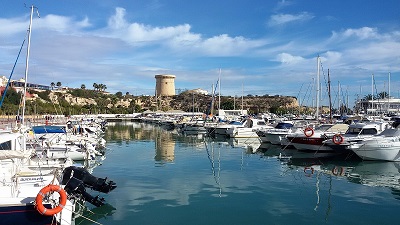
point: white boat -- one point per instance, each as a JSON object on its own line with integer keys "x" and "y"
{"x": 355, "y": 133}
{"x": 384, "y": 146}
{"x": 222, "y": 128}
{"x": 249, "y": 129}
{"x": 55, "y": 142}
{"x": 36, "y": 189}
{"x": 311, "y": 139}
{"x": 22, "y": 180}
{"x": 277, "y": 134}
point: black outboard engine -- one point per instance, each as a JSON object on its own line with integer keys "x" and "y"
{"x": 76, "y": 179}
{"x": 75, "y": 186}
{"x": 97, "y": 184}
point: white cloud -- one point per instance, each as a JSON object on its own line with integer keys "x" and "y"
{"x": 362, "y": 33}
{"x": 283, "y": 3}
{"x": 286, "y": 58}
{"x": 176, "y": 38}
{"x": 60, "y": 23}
{"x": 282, "y": 19}
{"x": 117, "y": 21}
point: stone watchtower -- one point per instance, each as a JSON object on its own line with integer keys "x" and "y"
{"x": 165, "y": 85}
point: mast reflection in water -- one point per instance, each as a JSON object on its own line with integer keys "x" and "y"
{"x": 166, "y": 177}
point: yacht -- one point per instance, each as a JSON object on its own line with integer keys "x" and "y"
{"x": 384, "y": 146}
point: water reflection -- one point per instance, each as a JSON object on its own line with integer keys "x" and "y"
{"x": 202, "y": 174}
{"x": 369, "y": 173}
{"x": 86, "y": 216}
{"x": 165, "y": 148}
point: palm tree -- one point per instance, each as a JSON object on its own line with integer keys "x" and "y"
{"x": 367, "y": 97}
{"x": 382, "y": 95}
{"x": 58, "y": 84}
{"x": 52, "y": 84}
{"x": 83, "y": 86}
{"x": 95, "y": 86}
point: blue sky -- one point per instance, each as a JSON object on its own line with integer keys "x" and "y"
{"x": 261, "y": 47}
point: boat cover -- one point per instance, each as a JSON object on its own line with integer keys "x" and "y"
{"x": 48, "y": 129}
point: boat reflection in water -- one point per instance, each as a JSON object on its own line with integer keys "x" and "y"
{"x": 369, "y": 173}
{"x": 377, "y": 174}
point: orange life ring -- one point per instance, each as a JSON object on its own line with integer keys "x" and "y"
{"x": 309, "y": 132}
{"x": 39, "y": 200}
{"x": 337, "y": 139}
{"x": 335, "y": 171}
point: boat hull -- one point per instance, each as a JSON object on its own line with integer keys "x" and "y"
{"x": 23, "y": 214}
{"x": 378, "y": 150}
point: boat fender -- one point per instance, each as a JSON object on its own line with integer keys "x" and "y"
{"x": 309, "y": 132}
{"x": 337, "y": 139}
{"x": 39, "y": 200}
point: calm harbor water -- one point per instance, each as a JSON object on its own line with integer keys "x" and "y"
{"x": 167, "y": 178}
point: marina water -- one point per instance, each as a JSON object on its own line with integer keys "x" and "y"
{"x": 168, "y": 178}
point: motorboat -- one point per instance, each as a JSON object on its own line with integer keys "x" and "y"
{"x": 384, "y": 146}
{"x": 355, "y": 133}
{"x": 312, "y": 139}
{"x": 249, "y": 129}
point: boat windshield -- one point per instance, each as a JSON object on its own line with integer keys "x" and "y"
{"x": 284, "y": 126}
{"x": 366, "y": 131}
{"x": 235, "y": 123}
{"x": 390, "y": 133}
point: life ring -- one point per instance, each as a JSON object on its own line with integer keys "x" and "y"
{"x": 308, "y": 169}
{"x": 39, "y": 200}
{"x": 336, "y": 171}
{"x": 337, "y": 139}
{"x": 309, "y": 132}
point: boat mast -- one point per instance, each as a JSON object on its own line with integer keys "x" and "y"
{"x": 219, "y": 89}
{"x": 318, "y": 89}
{"x": 388, "y": 108}
{"x": 212, "y": 102}
{"x": 242, "y": 99}
{"x": 27, "y": 65}
{"x": 330, "y": 98}
{"x": 372, "y": 94}
{"x": 339, "y": 100}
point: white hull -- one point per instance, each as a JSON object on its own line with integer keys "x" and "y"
{"x": 242, "y": 133}
{"x": 378, "y": 150}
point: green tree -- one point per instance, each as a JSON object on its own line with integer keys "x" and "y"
{"x": 58, "y": 84}
{"x": 227, "y": 105}
{"x": 382, "y": 95}
{"x": 118, "y": 94}
{"x": 83, "y": 86}
{"x": 52, "y": 85}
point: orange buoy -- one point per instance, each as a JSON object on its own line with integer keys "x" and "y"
{"x": 309, "y": 132}
{"x": 337, "y": 139}
{"x": 39, "y": 200}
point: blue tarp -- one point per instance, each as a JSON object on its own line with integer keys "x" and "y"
{"x": 48, "y": 129}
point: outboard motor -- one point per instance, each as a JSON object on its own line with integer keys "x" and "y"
{"x": 75, "y": 186}
{"x": 76, "y": 179}
{"x": 97, "y": 184}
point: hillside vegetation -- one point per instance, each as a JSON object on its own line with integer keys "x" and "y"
{"x": 83, "y": 101}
